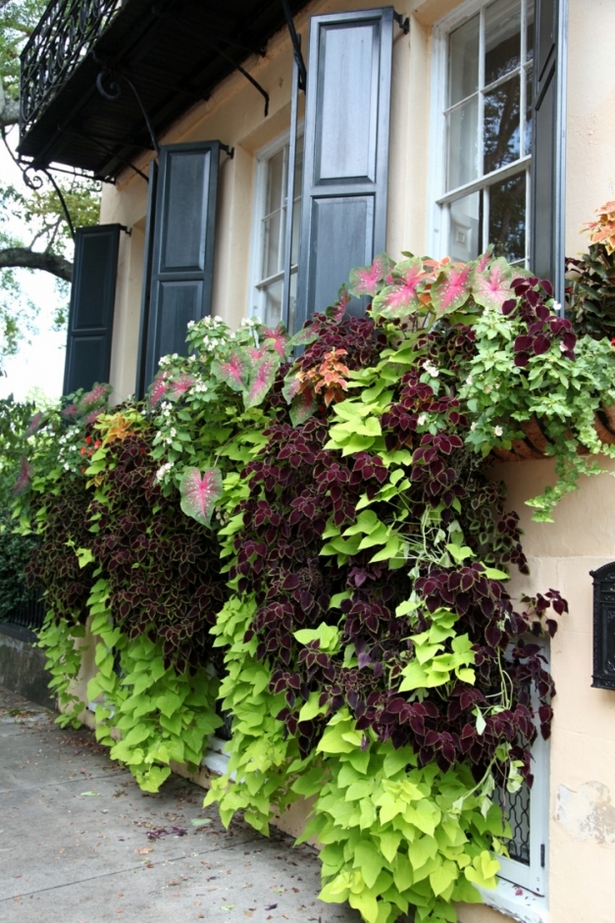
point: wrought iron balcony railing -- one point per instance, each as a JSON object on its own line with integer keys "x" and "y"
{"x": 63, "y": 37}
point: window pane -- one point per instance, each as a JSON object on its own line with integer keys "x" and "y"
{"x": 530, "y": 29}
{"x": 517, "y": 809}
{"x": 463, "y": 144}
{"x": 507, "y": 217}
{"x": 272, "y": 303}
{"x": 275, "y": 181}
{"x": 529, "y": 97}
{"x": 501, "y": 125}
{"x": 465, "y": 221}
{"x": 271, "y": 245}
{"x": 463, "y": 61}
{"x": 502, "y": 39}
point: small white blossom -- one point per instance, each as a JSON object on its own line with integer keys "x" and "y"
{"x": 430, "y": 368}
{"x": 163, "y": 470}
{"x": 556, "y": 307}
{"x": 498, "y": 430}
{"x": 422, "y": 420}
{"x": 473, "y": 427}
{"x": 469, "y": 380}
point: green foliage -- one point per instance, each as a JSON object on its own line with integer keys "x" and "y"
{"x": 163, "y": 716}
{"x": 590, "y": 290}
{"x": 62, "y": 642}
{"x": 337, "y": 574}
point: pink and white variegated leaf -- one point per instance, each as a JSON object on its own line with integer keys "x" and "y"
{"x": 256, "y": 352}
{"x": 491, "y": 287}
{"x": 368, "y": 280}
{"x": 278, "y": 339}
{"x": 261, "y": 380}
{"x": 303, "y": 406}
{"x": 180, "y": 385}
{"x": 23, "y": 479}
{"x": 35, "y": 423}
{"x": 158, "y": 389}
{"x": 402, "y": 297}
{"x": 94, "y": 398}
{"x": 451, "y": 289}
{"x": 92, "y": 416}
{"x": 199, "y": 493}
{"x": 291, "y": 385}
{"x": 305, "y": 336}
{"x": 336, "y": 311}
{"x": 235, "y": 371}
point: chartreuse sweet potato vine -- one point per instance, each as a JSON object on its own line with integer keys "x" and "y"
{"x": 316, "y": 542}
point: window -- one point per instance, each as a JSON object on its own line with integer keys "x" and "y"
{"x": 269, "y": 249}
{"x": 484, "y": 109}
{"x": 523, "y": 877}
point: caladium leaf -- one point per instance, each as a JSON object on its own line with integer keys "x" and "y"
{"x": 304, "y": 337}
{"x": 180, "y": 385}
{"x": 291, "y": 385}
{"x": 451, "y": 289}
{"x": 35, "y": 423}
{"x": 368, "y": 280}
{"x": 199, "y": 493}
{"x": 336, "y": 311}
{"x": 402, "y": 297}
{"x": 235, "y": 371}
{"x": 23, "y": 480}
{"x": 158, "y": 389}
{"x": 256, "y": 352}
{"x": 261, "y": 380}
{"x": 278, "y": 339}
{"x": 98, "y": 395}
{"x": 491, "y": 286}
{"x": 304, "y": 406}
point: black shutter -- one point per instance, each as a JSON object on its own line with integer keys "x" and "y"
{"x": 548, "y": 179}
{"x": 92, "y": 302}
{"x": 148, "y": 252}
{"x": 344, "y": 196}
{"x": 183, "y": 247}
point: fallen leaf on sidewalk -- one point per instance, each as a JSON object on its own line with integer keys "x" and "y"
{"x": 145, "y": 850}
{"x": 271, "y": 906}
{"x": 200, "y": 821}
{"x": 90, "y": 794}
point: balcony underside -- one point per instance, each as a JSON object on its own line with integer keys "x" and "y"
{"x": 174, "y": 52}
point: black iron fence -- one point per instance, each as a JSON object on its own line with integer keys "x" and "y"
{"x": 28, "y": 613}
{"x": 64, "y": 36}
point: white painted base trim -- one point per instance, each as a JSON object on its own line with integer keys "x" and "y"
{"x": 215, "y": 758}
{"x": 517, "y": 902}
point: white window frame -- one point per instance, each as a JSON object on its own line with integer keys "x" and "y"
{"x": 438, "y": 229}
{"x": 522, "y": 890}
{"x": 263, "y": 156}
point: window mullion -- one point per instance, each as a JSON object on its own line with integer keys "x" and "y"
{"x": 523, "y": 79}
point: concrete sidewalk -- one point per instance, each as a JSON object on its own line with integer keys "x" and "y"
{"x": 80, "y": 843}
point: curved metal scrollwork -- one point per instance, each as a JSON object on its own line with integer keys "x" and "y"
{"x": 114, "y": 90}
{"x": 36, "y": 183}
{"x": 62, "y": 38}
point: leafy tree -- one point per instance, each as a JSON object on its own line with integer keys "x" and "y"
{"x": 44, "y": 241}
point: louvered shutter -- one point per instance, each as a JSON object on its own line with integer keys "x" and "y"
{"x": 548, "y": 178}
{"x": 344, "y": 196}
{"x": 183, "y": 247}
{"x": 92, "y": 302}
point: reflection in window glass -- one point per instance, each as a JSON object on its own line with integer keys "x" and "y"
{"x": 501, "y": 128}
{"x": 488, "y": 120}
{"x": 268, "y": 290}
{"x": 507, "y": 217}
{"x": 502, "y": 39}
{"x": 463, "y": 61}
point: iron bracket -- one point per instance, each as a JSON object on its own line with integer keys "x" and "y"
{"x": 228, "y": 150}
{"x": 296, "y": 46}
{"x": 404, "y": 24}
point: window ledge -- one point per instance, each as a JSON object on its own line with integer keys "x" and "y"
{"x": 517, "y": 902}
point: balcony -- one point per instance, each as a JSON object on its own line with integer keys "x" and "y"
{"x": 92, "y": 66}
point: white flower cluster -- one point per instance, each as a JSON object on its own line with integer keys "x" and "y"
{"x": 422, "y": 419}
{"x": 430, "y": 368}
{"x": 163, "y": 471}
{"x": 498, "y": 430}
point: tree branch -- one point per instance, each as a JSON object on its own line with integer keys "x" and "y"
{"x": 23, "y": 258}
